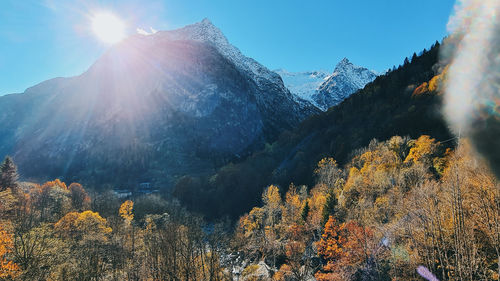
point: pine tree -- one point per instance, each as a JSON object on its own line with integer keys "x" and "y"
{"x": 305, "y": 211}
{"x": 414, "y": 57}
{"x": 8, "y": 174}
{"x": 329, "y": 207}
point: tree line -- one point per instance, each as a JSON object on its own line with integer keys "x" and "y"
{"x": 396, "y": 206}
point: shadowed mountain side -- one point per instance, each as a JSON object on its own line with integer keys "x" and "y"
{"x": 384, "y": 108}
{"x": 150, "y": 109}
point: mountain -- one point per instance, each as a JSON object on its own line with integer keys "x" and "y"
{"x": 388, "y": 106}
{"x": 152, "y": 108}
{"x": 303, "y": 84}
{"x": 326, "y": 90}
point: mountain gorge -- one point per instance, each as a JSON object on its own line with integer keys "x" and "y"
{"x": 151, "y": 108}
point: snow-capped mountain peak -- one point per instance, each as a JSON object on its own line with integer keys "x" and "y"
{"x": 343, "y": 63}
{"x": 206, "y": 32}
{"x": 325, "y": 90}
{"x": 303, "y": 84}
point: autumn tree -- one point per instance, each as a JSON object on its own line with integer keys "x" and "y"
{"x": 423, "y": 150}
{"x": 88, "y": 236}
{"x": 79, "y": 198}
{"x": 329, "y": 173}
{"x": 126, "y": 211}
{"x": 129, "y": 239}
{"x": 292, "y": 205}
{"x": 8, "y": 269}
{"x": 330, "y": 248}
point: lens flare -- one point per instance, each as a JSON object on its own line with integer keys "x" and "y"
{"x": 108, "y": 27}
{"x": 472, "y": 90}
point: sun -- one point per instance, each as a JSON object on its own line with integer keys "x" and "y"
{"x": 108, "y": 28}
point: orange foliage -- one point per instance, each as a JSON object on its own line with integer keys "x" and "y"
{"x": 330, "y": 245}
{"x": 423, "y": 88}
{"x": 358, "y": 246}
{"x": 433, "y": 85}
{"x": 8, "y": 269}
{"x": 56, "y": 182}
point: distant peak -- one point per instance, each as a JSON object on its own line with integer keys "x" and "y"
{"x": 345, "y": 60}
{"x": 345, "y": 63}
{"x": 206, "y": 21}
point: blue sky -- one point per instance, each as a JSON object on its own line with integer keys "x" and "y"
{"x": 43, "y": 39}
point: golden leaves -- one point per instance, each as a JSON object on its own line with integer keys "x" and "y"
{"x": 125, "y": 211}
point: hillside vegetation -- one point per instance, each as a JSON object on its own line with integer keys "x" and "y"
{"x": 394, "y": 104}
{"x": 395, "y": 206}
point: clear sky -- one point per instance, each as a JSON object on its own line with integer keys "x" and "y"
{"x": 42, "y": 39}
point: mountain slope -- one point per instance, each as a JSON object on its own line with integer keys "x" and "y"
{"x": 325, "y": 90}
{"x": 345, "y": 81}
{"x": 303, "y": 84}
{"x": 382, "y": 109}
{"x": 150, "y": 109}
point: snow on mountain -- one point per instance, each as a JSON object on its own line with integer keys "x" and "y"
{"x": 264, "y": 78}
{"x": 326, "y": 90}
{"x": 303, "y": 84}
{"x": 206, "y": 32}
{"x": 174, "y": 103}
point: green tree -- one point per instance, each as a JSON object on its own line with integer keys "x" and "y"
{"x": 329, "y": 207}
{"x": 305, "y": 211}
{"x": 8, "y": 174}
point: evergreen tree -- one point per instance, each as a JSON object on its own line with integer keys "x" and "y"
{"x": 414, "y": 57}
{"x": 8, "y": 174}
{"x": 329, "y": 207}
{"x": 305, "y": 211}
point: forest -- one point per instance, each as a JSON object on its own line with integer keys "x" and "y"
{"x": 396, "y": 206}
{"x": 399, "y": 102}
{"x": 162, "y": 152}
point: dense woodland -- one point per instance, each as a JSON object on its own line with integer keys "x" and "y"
{"x": 395, "y": 103}
{"x": 373, "y": 189}
{"x": 395, "y": 206}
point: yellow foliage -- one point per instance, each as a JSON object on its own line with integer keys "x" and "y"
{"x": 271, "y": 197}
{"x": 293, "y": 205}
{"x": 423, "y": 147}
{"x": 316, "y": 204}
{"x": 84, "y": 223}
{"x": 250, "y": 270}
{"x": 433, "y": 85}
{"x": 253, "y": 221}
{"x": 126, "y": 211}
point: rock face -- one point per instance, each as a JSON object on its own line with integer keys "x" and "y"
{"x": 154, "y": 107}
{"x": 326, "y": 90}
